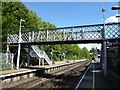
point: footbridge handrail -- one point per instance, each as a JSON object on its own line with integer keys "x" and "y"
{"x": 86, "y": 32}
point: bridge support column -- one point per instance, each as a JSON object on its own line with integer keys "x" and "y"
{"x": 18, "y": 56}
{"x": 104, "y": 45}
{"x": 101, "y": 59}
{"x": 104, "y": 58}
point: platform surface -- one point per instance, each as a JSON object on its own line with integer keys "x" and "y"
{"x": 33, "y": 68}
{"x": 94, "y": 78}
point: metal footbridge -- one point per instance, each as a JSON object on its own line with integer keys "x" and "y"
{"x": 98, "y": 33}
{"x": 75, "y": 34}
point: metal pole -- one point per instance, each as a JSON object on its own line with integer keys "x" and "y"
{"x": 8, "y": 50}
{"x": 47, "y": 35}
{"x": 39, "y": 61}
{"x": 101, "y": 57}
{"x": 28, "y": 62}
{"x": 8, "y": 53}
{"x": 29, "y": 36}
{"x": 63, "y": 34}
{"x": 52, "y": 55}
{"x": 19, "y": 46}
{"x": 105, "y": 58}
{"x": 104, "y": 47}
{"x": 72, "y": 36}
{"x": 12, "y": 60}
{"x": 82, "y": 34}
{"x": 33, "y": 36}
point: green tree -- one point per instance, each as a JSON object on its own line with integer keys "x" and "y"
{"x": 12, "y": 12}
{"x": 85, "y": 52}
{"x": 93, "y": 51}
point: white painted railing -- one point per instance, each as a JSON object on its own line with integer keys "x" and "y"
{"x": 41, "y": 54}
{"x": 36, "y": 52}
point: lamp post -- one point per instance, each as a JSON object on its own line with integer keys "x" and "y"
{"x": 104, "y": 46}
{"x": 19, "y": 46}
{"x": 103, "y": 11}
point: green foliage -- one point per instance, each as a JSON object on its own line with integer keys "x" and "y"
{"x": 85, "y": 52}
{"x": 93, "y": 51}
{"x": 5, "y": 68}
{"x": 72, "y": 52}
{"x": 12, "y": 12}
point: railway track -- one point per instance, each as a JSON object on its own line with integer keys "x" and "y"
{"x": 63, "y": 78}
{"x": 67, "y": 79}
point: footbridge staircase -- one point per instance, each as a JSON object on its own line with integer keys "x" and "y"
{"x": 39, "y": 54}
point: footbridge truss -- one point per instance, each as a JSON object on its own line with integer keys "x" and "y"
{"x": 75, "y": 34}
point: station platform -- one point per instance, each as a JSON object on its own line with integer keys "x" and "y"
{"x": 33, "y": 68}
{"x": 94, "y": 78}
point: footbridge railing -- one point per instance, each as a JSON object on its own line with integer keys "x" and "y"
{"x": 86, "y": 32}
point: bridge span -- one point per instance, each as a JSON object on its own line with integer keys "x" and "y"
{"x": 68, "y": 35}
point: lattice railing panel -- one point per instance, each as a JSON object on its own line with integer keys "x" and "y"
{"x": 13, "y": 38}
{"x": 112, "y": 31}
